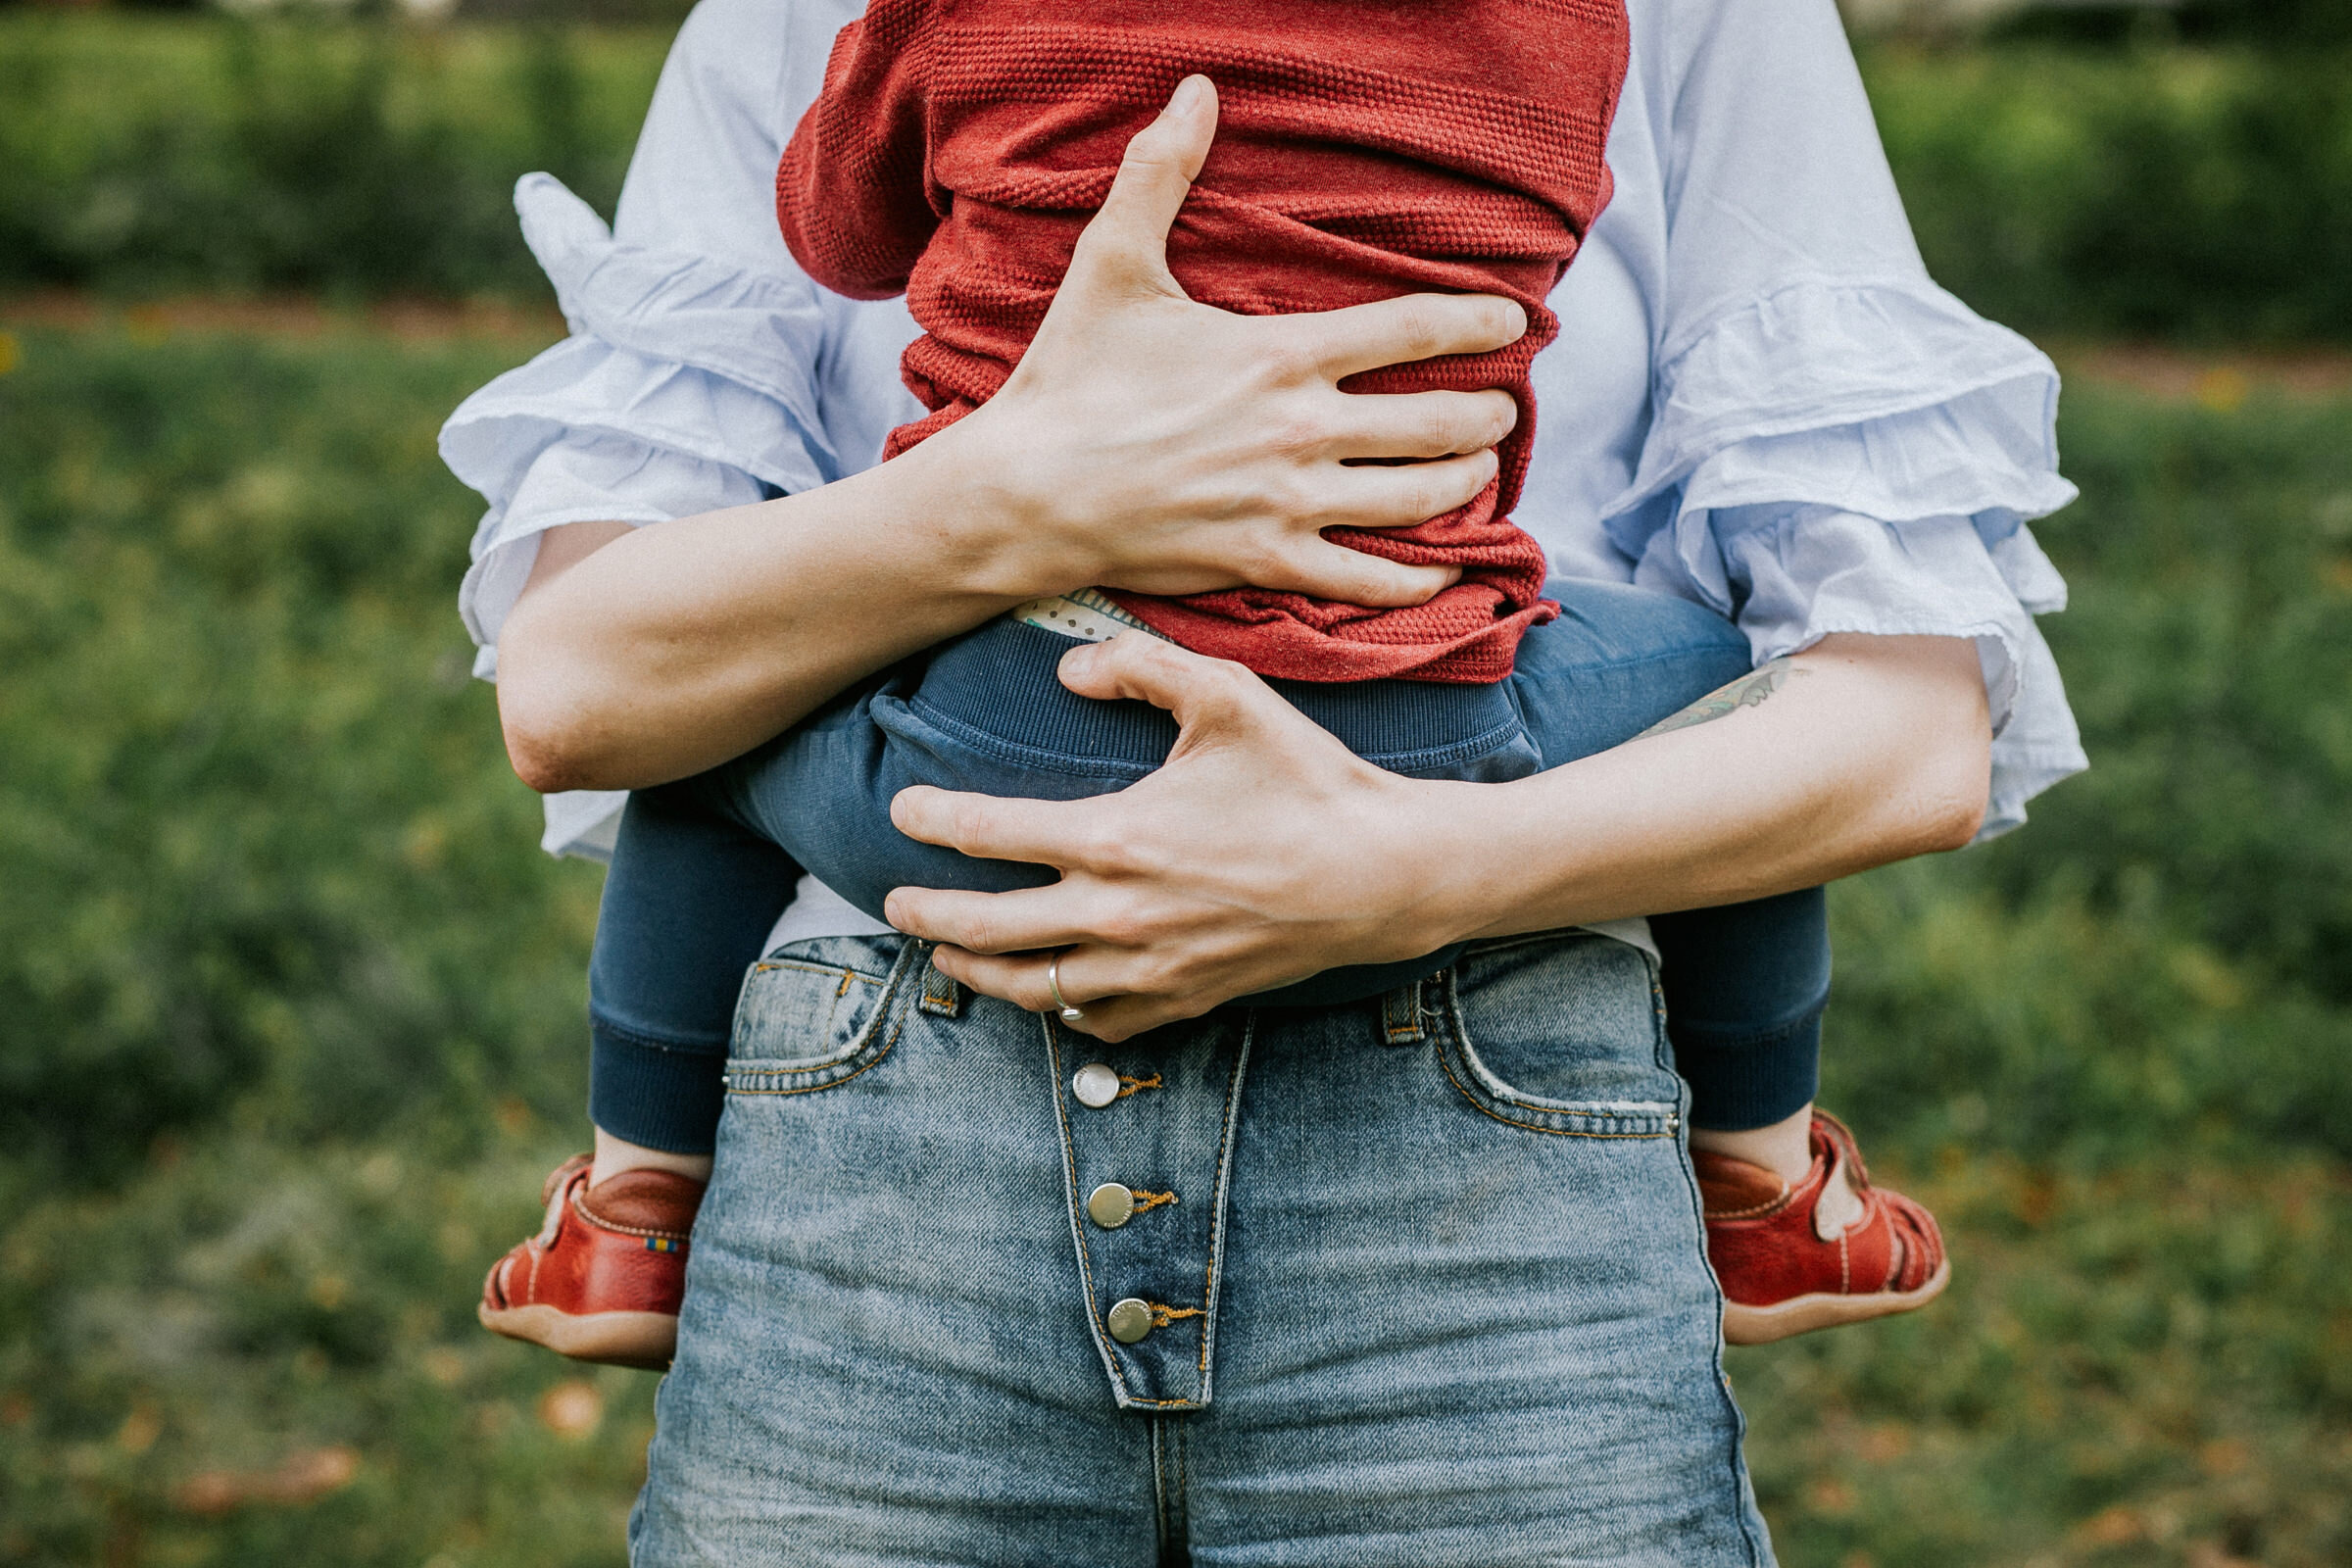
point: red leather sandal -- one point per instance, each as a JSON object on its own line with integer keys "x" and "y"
{"x": 603, "y": 1279}
{"x": 1783, "y": 1272}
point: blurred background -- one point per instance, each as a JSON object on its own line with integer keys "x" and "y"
{"x": 291, "y": 1007}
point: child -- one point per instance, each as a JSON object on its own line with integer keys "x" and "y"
{"x": 956, "y": 151}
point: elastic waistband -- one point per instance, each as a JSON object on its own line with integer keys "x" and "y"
{"x": 1001, "y": 680}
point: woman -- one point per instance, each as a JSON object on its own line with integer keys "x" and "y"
{"x": 1417, "y": 1282}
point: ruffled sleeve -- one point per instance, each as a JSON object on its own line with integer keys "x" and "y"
{"x": 1837, "y": 444}
{"x": 686, "y": 386}
{"x": 704, "y": 369}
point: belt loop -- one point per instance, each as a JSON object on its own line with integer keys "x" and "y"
{"x": 1400, "y": 1016}
{"x": 942, "y": 997}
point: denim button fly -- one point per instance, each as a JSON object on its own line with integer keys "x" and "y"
{"x": 1129, "y": 1320}
{"x": 1147, "y": 1144}
{"x": 1110, "y": 1205}
{"x": 1095, "y": 1085}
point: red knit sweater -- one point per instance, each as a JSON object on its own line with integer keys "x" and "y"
{"x": 1365, "y": 149}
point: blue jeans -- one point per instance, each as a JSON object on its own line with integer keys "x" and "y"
{"x": 703, "y": 866}
{"x": 1417, "y": 1281}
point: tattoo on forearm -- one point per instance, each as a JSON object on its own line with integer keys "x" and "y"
{"x": 1748, "y": 691}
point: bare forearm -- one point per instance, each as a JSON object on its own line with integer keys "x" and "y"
{"x": 1143, "y": 442}
{"x": 1872, "y": 750}
{"x": 1265, "y": 850}
{"x": 671, "y": 649}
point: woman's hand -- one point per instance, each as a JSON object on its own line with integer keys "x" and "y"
{"x": 1159, "y": 445}
{"x": 1145, "y": 442}
{"x": 1265, "y": 850}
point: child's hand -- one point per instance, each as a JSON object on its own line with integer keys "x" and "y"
{"x": 1152, "y": 443}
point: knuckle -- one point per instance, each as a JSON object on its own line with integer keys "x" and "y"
{"x": 1299, "y": 501}
{"x": 1297, "y": 435}
{"x": 1439, "y": 426}
{"x": 1285, "y": 361}
{"x": 1151, "y": 151}
{"x": 1419, "y": 331}
{"x": 1098, "y": 844}
{"x": 1102, "y": 853}
{"x": 1165, "y": 975}
{"x": 1415, "y": 498}
{"x": 1119, "y": 928}
{"x": 978, "y": 933}
{"x": 950, "y": 819}
{"x": 1264, "y": 562}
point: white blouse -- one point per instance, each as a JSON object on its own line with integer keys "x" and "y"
{"x": 1758, "y": 400}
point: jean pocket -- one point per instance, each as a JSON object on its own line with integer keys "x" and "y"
{"x": 1561, "y": 1033}
{"x": 817, "y": 1013}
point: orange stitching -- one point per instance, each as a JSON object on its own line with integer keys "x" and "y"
{"x": 1216, "y": 1224}
{"x": 1086, "y": 1267}
{"x": 770, "y": 967}
{"x": 1457, "y": 1036}
{"x": 885, "y": 1007}
{"x": 1408, "y": 1026}
{"x": 813, "y": 1089}
{"x": 1148, "y": 1201}
{"x": 1162, "y": 1316}
{"x": 1128, "y": 1086}
{"x": 1535, "y": 1127}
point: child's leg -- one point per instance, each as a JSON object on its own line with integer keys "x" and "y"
{"x": 687, "y": 904}
{"x": 1798, "y": 1237}
{"x": 1744, "y": 983}
{"x": 1744, "y": 986}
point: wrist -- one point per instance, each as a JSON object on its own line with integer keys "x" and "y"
{"x": 1488, "y": 864}
{"x": 994, "y": 514}
{"x": 1445, "y": 888}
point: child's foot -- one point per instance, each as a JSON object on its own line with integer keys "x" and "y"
{"x": 603, "y": 1279}
{"x": 1790, "y": 1263}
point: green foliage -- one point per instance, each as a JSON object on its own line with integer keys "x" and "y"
{"x": 290, "y": 1017}
{"x": 147, "y": 154}
{"x": 2175, "y": 923}
{"x": 264, "y": 1352}
{"x": 2280, "y": 25}
{"x": 260, "y": 846}
{"x": 2166, "y": 191}
{"x": 2147, "y": 1368}
{"x": 2155, "y": 192}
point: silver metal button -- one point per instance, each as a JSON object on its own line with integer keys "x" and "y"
{"x": 1110, "y": 1205}
{"x": 1095, "y": 1085}
{"x": 1129, "y": 1320}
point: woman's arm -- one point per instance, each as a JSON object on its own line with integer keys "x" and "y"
{"x": 1265, "y": 852}
{"x": 1144, "y": 442}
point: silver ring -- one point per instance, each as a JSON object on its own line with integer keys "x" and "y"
{"x": 1069, "y": 1014}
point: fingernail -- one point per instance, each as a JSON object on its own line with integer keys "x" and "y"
{"x": 1080, "y": 660}
{"x": 1188, "y": 95}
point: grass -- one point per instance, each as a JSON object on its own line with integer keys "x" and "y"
{"x": 289, "y": 1016}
